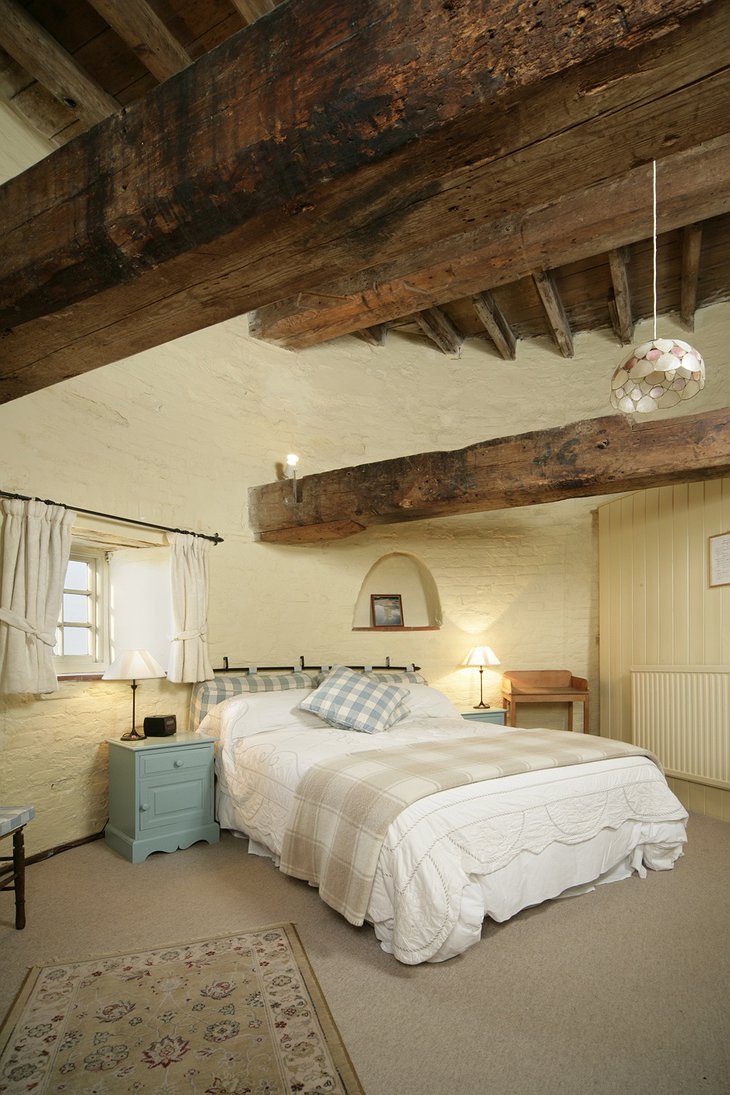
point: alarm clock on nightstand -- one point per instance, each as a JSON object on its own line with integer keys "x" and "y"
{"x": 162, "y": 726}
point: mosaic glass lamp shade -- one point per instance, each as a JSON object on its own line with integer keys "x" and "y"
{"x": 657, "y": 375}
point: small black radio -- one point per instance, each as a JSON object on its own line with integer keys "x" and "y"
{"x": 160, "y": 727}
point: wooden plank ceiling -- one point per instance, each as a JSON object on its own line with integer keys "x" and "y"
{"x": 436, "y": 171}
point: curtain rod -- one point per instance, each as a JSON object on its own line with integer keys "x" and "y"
{"x": 215, "y": 538}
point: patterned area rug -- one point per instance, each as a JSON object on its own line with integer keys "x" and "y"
{"x": 239, "y": 1015}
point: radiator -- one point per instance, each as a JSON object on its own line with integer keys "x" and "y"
{"x": 682, "y": 713}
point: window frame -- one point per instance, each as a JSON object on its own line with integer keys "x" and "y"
{"x": 70, "y": 665}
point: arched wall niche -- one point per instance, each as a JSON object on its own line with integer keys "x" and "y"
{"x": 403, "y": 573}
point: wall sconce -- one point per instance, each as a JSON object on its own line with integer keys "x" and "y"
{"x": 290, "y": 472}
{"x": 480, "y": 656}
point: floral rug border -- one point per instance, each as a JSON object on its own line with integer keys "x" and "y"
{"x": 223, "y": 1015}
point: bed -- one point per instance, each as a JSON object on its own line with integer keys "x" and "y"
{"x": 465, "y": 849}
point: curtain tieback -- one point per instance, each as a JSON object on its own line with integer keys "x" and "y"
{"x": 13, "y": 619}
{"x": 196, "y": 633}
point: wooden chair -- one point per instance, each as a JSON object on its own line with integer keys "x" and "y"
{"x": 13, "y": 819}
{"x": 544, "y": 686}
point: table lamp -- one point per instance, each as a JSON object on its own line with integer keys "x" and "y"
{"x": 480, "y": 656}
{"x": 133, "y": 665}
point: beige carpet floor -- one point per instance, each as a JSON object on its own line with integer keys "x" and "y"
{"x": 624, "y": 990}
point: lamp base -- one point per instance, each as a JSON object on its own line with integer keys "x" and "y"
{"x": 132, "y": 735}
{"x": 481, "y": 706}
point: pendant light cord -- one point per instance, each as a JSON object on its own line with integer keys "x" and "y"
{"x": 654, "y": 236}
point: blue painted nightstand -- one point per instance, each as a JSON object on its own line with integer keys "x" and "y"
{"x": 160, "y": 795}
{"x": 495, "y": 715}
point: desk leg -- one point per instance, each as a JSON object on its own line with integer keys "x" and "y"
{"x": 19, "y": 870}
{"x": 513, "y": 712}
{"x": 570, "y": 716}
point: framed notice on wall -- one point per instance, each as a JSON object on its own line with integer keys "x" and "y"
{"x": 720, "y": 559}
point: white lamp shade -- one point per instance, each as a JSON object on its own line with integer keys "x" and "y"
{"x": 133, "y": 665}
{"x": 480, "y": 656}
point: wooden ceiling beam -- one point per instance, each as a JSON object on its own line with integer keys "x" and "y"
{"x": 437, "y": 326}
{"x": 691, "y": 250}
{"x": 622, "y": 319}
{"x": 139, "y": 25}
{"x": 41, "y": 55}
{"x": 31, "y": 102}
{"x": 505, "y": 248}
{"x": 555, "y": 313}
{"x": 598, "y": 456}
{"x": 495, "y": 324}
{"x": 395, "y": 125}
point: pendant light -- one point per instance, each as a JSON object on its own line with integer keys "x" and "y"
{"x": 661, "y": 373}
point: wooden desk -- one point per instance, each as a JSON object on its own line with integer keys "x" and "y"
{"x": 544, "y": 686}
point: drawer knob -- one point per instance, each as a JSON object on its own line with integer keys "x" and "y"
{"x": 144, "y": 807}
{"x": 179, "y": 763}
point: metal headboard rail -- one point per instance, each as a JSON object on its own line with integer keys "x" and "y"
{"x": 298, "y": 667}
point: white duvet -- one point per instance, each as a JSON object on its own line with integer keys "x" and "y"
{"x": 454, "y": 858}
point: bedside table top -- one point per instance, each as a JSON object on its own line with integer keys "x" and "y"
{"x": 495, "y": 715}
{"x": 183, "y": 738}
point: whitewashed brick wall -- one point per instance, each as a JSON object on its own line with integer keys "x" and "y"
{"x": 178, "y": 434}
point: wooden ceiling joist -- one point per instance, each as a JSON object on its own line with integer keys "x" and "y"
{"x": 598, "y": 456}
{"x": 138, "y": 24}
{"x": 495, "y": 324}
{"x": 251, "y": 10}
{"x": 554, "y": 311}
{"x": 620, "y": 310}
{"x": 41, "y": 55}
{"x": 437, "y": 326}
{"x": 374, "y": 336}
{"x": 409, "y": 126}
{"x": 691, "y": 249}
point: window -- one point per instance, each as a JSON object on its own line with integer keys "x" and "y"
{"x": 82, "y": 635}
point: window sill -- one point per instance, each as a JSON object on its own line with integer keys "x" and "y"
{"x": 79, "y": 676}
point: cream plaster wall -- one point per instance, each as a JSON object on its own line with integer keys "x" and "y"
{"x": 177, "y": 435}
{"x": 19, "y": 146}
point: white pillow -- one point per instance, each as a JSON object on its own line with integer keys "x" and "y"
{"x": 255, "y": 712}
{"x": 424, "y": 700}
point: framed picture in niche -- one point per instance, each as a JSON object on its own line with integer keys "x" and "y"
{"x": 386, "y": 610}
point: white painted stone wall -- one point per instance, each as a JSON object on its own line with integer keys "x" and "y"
{"x": 178, "y": 434}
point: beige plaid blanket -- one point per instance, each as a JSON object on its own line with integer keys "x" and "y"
{"x": 342, "y": 808}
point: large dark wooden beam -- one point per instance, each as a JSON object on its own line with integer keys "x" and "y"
{"x": 322, "y": 137}
{"x": 593, "y": 192}
{"x": 605, "y": 215}
{"x": 598, "y": 456}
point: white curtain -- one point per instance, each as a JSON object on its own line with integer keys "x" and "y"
{"x": 189, "y": 576}
{"x": 36, "y": 543}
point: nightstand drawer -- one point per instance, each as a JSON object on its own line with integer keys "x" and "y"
{"x": 172, "y": 760}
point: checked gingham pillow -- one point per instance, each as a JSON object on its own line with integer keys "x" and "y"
{"x": 352, "y": 701}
